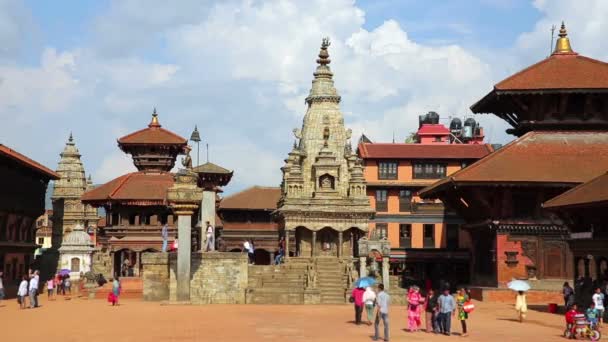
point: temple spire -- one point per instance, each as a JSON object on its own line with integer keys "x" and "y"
{"x": 154, "y": 122}
{"x": 563, "y": 42}
{"x": 323, "y": 84}
{"x": 323, "y": 54}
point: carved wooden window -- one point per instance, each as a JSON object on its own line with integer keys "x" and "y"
{"x": 40, "y": 241}
{"x": 381, "y": 200}
{"x": 75, "y": 265}
{"x": 405, "y": 200}
{"x": 429, "y": 170}
{"x": 387, "y": 170}
{"x": 405, "y": 235}
{"x": 428, "y": 231}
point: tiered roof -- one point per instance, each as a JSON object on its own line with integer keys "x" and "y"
{"x": 254, "y": 198}
{"x": 589, "y": 194}
{"x": 423, "y": 151}
{"x": 27, "y": 162}
{"x": 154, "y": 134}
{"x": 136, "y": 188}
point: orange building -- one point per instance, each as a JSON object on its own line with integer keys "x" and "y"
{"x": 425, "y": 238}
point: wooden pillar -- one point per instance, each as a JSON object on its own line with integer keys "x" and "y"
{"x": 586, "y": 268}
{"x": 339, "y": 244}
{"x": 313, "y": 243}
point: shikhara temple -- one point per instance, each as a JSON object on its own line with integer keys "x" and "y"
{"x": 558, "y": 109}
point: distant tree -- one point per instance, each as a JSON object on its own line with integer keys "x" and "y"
{"x": 411, "y": 138}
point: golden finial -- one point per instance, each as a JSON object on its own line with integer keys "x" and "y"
{"x": 154, "y": 122}
{"x": 563, "y": 43}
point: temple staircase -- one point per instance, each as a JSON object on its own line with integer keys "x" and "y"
{"x": 280, "y": 284}
{"x": 331, "y": 280}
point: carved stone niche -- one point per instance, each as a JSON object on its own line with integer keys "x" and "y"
{"x": 511, "y": 258}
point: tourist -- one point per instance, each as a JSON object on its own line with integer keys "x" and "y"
{"x": 279, "y": 256}
{"x": 568, "y": 293}
{"x": 369, "y": 299}
{"x": 447, "y": 308}
{"x": 164, "y": 233}
{"x": 22, "y": 292}
{"x": 1, "y": 287}
{"x": 34, "y": 282}
{"x": 413, "y": 308}
{"x": 50, "y": 288}
{"x": 461, "y": 298}
{"x": 210, "y": 242}
{"x": 382, "y": 302}
{"x": 67, "y": 285}
{"x": 116, "y": 289}
{"x": 357, "y": 298}
{"x": 58, "y": 284}
{"x": 593, "y": 315}
{"x": 521, "y": 305}
{"x": 246, "y": 248}
{"x": 598, "y": 300}
{"x": 431, "y": 311}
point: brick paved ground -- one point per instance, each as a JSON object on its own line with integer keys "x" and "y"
{"x": 90, "y": 321}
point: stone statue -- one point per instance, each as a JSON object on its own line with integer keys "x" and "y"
{"x": 349, "y": 273}
{"x": 349, "y": 133}
{"x": 187, "y": 160}
{"x": 326, "y": 183}
{"x": 311, "y": 277}
{"x": 326, "y": 134}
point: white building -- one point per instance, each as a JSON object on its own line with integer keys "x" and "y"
{"x": 75, "y": 252}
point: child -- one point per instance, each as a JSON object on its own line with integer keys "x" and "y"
{"x": 461, "y": 298}
{"x": 521, "y": 305}
{"x": 598, "y": 300}
{"x": 592, "y": 315}
{"x": 570, "y": 319}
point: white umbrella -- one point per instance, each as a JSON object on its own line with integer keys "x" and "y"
{"x": 518, "y": 285}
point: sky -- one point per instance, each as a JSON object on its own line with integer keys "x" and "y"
{"x": 241, "y": 69}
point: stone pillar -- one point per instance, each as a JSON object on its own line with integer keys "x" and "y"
{"x": 313, "y": 245}
{"x": 272, "y": 258}
{"x": 207, "y": 215}
{"x": 385, "y": 273}
{"x": 112, "y": 269}
{"x": 286, "y": 243}
{"x": 362, "y": 267}
{"x": 184, "y": 198}
{"x": 339, "y": 244}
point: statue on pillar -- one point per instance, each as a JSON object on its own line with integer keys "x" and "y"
{"x": 187, "y": 160}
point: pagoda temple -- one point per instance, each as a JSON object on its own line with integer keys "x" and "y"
{"x": 558, "y": 109}
{"x": 323, "y": 209}
{"x": 135, "y": 203}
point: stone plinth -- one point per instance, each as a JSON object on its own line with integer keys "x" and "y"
{"x": 155, "y": 276}
{"x": 216, "y": 278}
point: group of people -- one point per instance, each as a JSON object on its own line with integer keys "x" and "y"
{"x": 594, "y": 314}
{"x": 438, "y": 309}
{"x": 376, "y": 306}
{"x": 29, "y": 287}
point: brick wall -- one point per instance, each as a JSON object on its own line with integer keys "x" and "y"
{"x": 508, "y": 296}
{"x": 508, "y": 272}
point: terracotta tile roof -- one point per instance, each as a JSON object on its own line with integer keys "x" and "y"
{"x": 538, "y": 157}
{"x": 254, "y": 198}
{"x": 423, "y": 151}
{"x": 211, "y": 168}
{"x": 27, "y": 162}
{"x": 136, "y": 188}
{"x": 429, "y": 129}
{"x": 154, "y": 134}
{"x": 592, "y": 192}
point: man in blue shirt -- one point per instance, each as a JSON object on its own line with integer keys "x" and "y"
{"x": 447, "y": 307}
{"x": 382, "y": 301}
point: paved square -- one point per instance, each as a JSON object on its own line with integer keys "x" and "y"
{"x": 91, "y": 321}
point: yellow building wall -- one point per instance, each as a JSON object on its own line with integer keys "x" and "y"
{"x": 371, "y": 170}
{"x": 417, "y": 235}
{"x": 393, "y": 234}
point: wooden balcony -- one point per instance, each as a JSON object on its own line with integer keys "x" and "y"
{"x": 421, "y": 207}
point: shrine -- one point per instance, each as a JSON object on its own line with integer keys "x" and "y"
{"x": 323, "y": 209}
{"x": 558, "y": 109}
{"x": 135, "y": 203}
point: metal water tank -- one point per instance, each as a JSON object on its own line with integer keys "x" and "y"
{"x": 455, "y": 125}
{"x": 432, "y": 118}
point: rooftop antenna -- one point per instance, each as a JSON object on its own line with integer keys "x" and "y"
{"x": 207, "y": 152}
{"x": 393, "y": 137}
{"x": 552, "y": 36}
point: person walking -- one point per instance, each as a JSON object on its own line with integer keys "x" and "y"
{"x": 1, "y": 287}
{"x": 521, "y": 305}
{"x": 357, "y": 296}
{"x": 431, "y": 310}
{"x": 116, "y": 289}
{"x": 34, "y": 282}
{"x": 22, "y": 292}
{"x": 413, "y": 310}
{"x": 447, "y": 308}
{"x": 461, "y": 298}
{"x": 598, "y": 300}
{"x": 568, "y": 293}
{"x": 369, "y": 300}
{"x": 50, "y": 288}
{"x": 67, "y": 285}
{"x": 382, "y": 302}
{"x": 164, "y": 233}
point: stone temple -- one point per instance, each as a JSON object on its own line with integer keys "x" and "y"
{"x": 323, "y": 209}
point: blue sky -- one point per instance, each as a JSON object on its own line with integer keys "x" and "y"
{"x": 240, "y": 69}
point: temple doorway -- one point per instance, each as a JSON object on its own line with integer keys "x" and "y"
{"x": 350, "y": 243}
{"x": 327, "y": 242}
{"x": 303, "y": 238}
{"x": 124, "y": 262}
{"x": 261, "y": 256}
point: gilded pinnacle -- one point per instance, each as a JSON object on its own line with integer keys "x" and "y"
{"x": 154, "y": 122}
{"x": 563, "y": 42}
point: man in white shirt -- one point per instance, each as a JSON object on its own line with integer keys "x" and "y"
{"x": 34, "y": 280}
{"x": 165, "y": 235}
{"x": 210, "y": 235}
{"x": 598, "y": 299}
{"x": 382, "y": 302}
